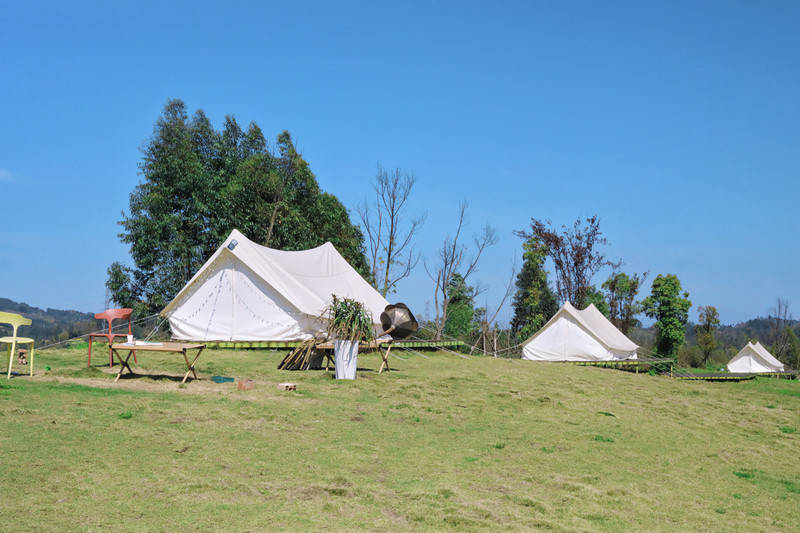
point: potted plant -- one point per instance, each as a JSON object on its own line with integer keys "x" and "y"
{"x": 349, "y": 322}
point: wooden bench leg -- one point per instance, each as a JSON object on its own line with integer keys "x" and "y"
{"x": 123, "y": 363}
{"x": 190, "y": 366}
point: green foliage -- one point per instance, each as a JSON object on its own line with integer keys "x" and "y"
{"x": 534, "y": 301}
{"x": 460, "y": 308}
{"x": 794, "y": 348}
{"x": 690, "y": 356}
{"x": 348, "y": 320}
{"x": 706, "y": 340}
{"x": 594, "y": 296}
{"x": 198, "y": 185}
{"x": 459, "y": 320}
{"x": 670, "y": 307}
{"x": 621, "y": 291}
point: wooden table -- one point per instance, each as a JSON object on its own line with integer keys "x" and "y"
{"x": 172, "y": 347}
{"x": 372, "y": 345}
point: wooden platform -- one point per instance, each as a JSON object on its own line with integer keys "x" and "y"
{"x": 240, "y": 345}
{"x": 734, "y": 376}
{"x": 716, "y": 376}
{"x": 629, "y": 364}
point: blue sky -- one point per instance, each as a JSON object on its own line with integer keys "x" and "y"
{"x": 678, "y": 126}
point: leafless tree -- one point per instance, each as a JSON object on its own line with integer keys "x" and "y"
{"x": 489, "y": 332}
{"x": 575, "y": 254}
{"x": 451, "y": 259}
{"x": 389, "y": 233}
{"x": 780, "y": 321}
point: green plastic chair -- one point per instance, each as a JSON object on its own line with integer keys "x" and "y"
{"x": 15, "y": 321}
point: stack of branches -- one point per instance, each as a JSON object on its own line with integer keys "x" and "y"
{"x": 304, "y": 357}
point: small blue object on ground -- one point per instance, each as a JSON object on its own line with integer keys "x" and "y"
{"x": 221, "y": 379}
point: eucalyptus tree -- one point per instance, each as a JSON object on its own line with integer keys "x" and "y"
{"x": 198, "y": 184}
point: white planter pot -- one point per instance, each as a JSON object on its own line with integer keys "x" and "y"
{"x": 346, "y": 356}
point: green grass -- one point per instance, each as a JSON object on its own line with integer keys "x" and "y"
{"x": 439, "y": 443}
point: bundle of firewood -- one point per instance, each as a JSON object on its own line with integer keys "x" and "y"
{"x": 304, "y": 357}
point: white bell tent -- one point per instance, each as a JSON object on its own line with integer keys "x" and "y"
{"x": 754, "y": 358}
{"x": 248, "y": 292}
{"x": 573, "y": 335}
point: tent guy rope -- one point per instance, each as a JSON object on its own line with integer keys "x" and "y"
{"x": 117, "y": 327}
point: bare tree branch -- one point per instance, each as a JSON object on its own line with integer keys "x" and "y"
{"x": 489, "y": 322}
{"x": 390, "y": 237}
{"x": 575, "y": 254}
{"x": 780, "y": 321}
{"x": 451, "y": 260}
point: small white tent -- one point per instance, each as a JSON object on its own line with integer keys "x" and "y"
{"x": 754, "y": 358}
{"x": 573, "y": 335}
{"x": 248, "y": 292}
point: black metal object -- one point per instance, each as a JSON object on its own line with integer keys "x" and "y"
{"x": 398, "y": 321}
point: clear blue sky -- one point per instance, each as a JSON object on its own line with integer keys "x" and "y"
{"x": 677, "y": 123}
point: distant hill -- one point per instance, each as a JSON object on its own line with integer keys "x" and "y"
{"x": 737, "y": 335}
{"x": 731, "y": 338}
{"x": 49, "y": 325}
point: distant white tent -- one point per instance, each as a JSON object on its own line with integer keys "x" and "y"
{"x": 573, "y": 335}
{"x": 754, "y": 358}
{"x": 248, "y": 292}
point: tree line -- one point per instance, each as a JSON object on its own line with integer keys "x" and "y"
{"x": 199, "y": 183}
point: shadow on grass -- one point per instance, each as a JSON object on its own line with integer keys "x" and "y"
{"x": 156, "y": 377}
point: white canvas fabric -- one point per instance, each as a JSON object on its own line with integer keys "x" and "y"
{"x": 573, "y": 335}
{"x": 754, "y": 358}
{"x": 249, "y": 292}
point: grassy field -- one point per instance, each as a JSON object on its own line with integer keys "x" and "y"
{"x": 441, "y": 442}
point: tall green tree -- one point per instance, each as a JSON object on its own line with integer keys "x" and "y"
{"x": 198, "y": 184}
{"x": 461, "y": 307}
{"x": 598, "y": 299}
{"x": 705, "y": 328}
{"x": 621, "y": 291}
{"x": 534, "y": 302}
{"x": 669, "y": 305}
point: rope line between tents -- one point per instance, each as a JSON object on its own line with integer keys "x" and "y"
{"x": 99, "y": 332}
